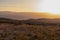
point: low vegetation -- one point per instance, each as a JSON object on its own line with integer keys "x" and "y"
{"x": 29, "y": 32}
{"x": 40, "y": 29}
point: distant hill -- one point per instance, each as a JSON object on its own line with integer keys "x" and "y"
{"x": 41, "y": 21}
{"x": 5, "y": 19}
{"x": 9, "y": 21}
{"x": 25, "y": 15}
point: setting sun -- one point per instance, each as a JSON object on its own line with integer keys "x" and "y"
{"x": 55, "y": 13}
{"x": 50, "y": 6}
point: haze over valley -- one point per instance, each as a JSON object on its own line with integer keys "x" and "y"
{"x": 26, "y": 15}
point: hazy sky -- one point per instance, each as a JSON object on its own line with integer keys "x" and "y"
{"x": 52, "y": 6}
{"x": 18, "y": 5}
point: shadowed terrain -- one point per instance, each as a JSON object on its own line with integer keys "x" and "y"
{"x": 32, "y": 29}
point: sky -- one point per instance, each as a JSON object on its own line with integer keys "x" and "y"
{"x": 18, "y": 5}
{"x": 51, "y": 6}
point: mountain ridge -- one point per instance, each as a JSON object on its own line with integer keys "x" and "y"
{"x": 31, "y": 21}
{"x": 26, "y": 15}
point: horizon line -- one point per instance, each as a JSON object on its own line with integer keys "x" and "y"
{"x": 23, "y": 11}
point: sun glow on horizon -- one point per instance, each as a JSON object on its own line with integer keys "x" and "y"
{"x": 50, "y": 6}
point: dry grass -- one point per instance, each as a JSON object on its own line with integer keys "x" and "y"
{"x": 29, "y": 32}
